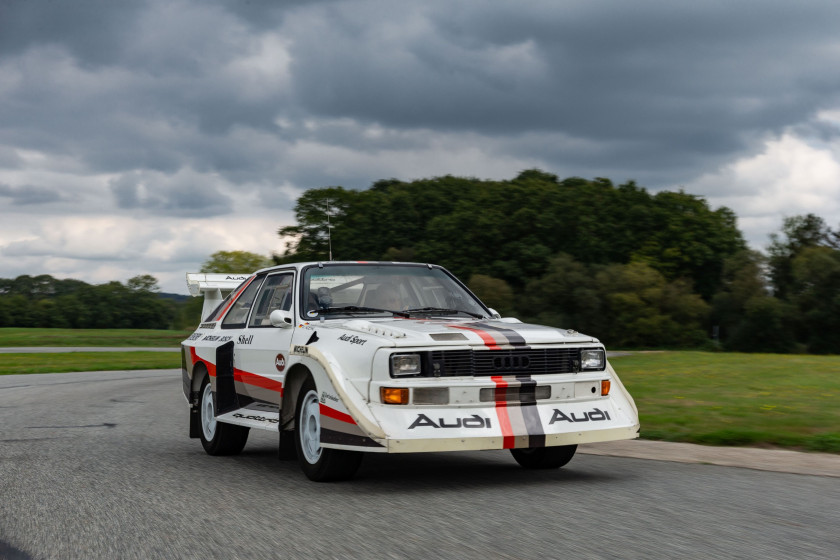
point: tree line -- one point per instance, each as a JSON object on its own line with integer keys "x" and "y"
{"x": 633, "y": 268}
{"x": 44, "y": 301}
{"x": 47, "y": 302}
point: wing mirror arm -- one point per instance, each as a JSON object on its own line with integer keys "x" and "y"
{"x": 280, "y": 318}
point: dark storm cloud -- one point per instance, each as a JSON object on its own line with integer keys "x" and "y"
{"x": 695, "y": 83}
{"x": 178, "y": 196}
{"x": 127, "y": 87}
{"x": 660, "y": 92}
{"x": 90, "y": 29}
{"x": 29, "y": 195}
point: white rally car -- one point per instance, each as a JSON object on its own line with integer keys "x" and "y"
{"x": 342, "y": 358}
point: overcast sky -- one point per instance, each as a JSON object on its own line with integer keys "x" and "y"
{"x": 141, "y": 137}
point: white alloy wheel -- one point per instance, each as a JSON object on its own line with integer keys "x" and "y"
{"x": 319, "y": 463}
{"x": 208, "y": 417}
{"x": 309, "y": 430}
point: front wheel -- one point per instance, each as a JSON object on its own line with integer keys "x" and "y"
{"x": 218, "y": 438}
{"x": 544, "y": 457}
{"x": 319, "y": 463}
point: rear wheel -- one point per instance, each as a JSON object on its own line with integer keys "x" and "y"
{"x": 319, "y": 463}
{"x": 544, "y": 457}
{"x": 218, "y": 438}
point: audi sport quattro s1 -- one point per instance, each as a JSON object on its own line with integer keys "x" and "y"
{"x": 346, "y": 358}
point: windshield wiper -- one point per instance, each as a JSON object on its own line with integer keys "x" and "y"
{"x": 443, "y": 310}
{"x": 357, "y": 309}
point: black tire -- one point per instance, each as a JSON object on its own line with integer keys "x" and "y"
{"x": 217, "y": 438}
{"x": 318, "y": 463}
{"x": 544, "y": 457}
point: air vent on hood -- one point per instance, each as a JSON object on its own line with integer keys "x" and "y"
{"x": 373, "y": 328}
{"x": 448, "y": 336}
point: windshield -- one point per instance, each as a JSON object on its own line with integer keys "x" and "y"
{"x": 385, "y": 289}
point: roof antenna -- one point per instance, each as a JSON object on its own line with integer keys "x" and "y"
{"x": 329, "y": 228}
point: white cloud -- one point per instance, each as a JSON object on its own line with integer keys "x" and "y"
{"x": 792, "y": 176}
{"x": 99, "y": 249}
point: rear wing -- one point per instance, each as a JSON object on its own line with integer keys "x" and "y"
{"x": 214, "y": 288}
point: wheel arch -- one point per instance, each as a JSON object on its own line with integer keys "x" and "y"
{"x": 199, "y": 371}
{"x": 295, "y": 378}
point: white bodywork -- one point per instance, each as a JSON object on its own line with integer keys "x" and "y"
{"x": 488, "y": 383}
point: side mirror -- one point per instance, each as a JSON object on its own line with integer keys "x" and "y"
{"x": 494, "y": 314}
{"x": 280, "y": 318}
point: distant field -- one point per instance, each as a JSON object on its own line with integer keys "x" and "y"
{"x": 87, "y": 361}
{"x": 736, "y": 399}
{"x": 92, "y": 337}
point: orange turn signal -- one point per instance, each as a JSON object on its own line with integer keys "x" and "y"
{"x": 605, "y": 387}
{"x": 393, "y": 395}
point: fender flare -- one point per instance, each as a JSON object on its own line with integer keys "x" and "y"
{"x": 348, "y": 394}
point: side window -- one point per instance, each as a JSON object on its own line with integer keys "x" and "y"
{"x": 238, "y": 312}
{"x": 276, "y": 293}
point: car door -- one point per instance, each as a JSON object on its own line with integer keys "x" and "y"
{"x": 260, "y": 349}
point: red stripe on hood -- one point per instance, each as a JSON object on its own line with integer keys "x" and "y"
{"x": 488, "y": 339}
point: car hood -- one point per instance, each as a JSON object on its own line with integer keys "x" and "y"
{"x": 458, "y": 332}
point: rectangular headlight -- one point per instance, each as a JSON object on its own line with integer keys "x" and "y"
{"x": 405, "y": 364}
{"x": 593, "y": 359}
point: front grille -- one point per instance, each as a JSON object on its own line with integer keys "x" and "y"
{"x": 525, "y": 394}
{"x": 525, "y": 361}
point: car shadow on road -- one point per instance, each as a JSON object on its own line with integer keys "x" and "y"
{"x": 382, "y": 472}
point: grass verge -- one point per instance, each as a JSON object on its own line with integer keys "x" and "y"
{"x": 736, "y": 399}
{"x": 92, "y": 337}
{"x": 87, "y": 361}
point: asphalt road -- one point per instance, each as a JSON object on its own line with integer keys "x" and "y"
{"x": 98, "y": 465}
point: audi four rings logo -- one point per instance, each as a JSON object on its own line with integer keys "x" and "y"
{"x": 511, "y": 362}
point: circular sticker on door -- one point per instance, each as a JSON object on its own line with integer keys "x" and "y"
{"x": 280, "y": 362}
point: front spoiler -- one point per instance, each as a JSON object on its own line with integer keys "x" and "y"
{"x": 515, "y": 426}
{"x": 483, "y": 443}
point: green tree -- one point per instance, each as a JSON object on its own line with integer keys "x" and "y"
{"x": 743, "y": 279}
{"x": 816, "y": 295}
{"x": 19, "y": 311}
{"x": 316, "y": 212}
{"x": 565, "y": 296}
{"x": 494, "y": 292}
{"x": 511, "y": 229}
{"x": 239, "y": 262}
{"x": 688, "y": 240}
{"x": 641, "y": 308}
{"x": 144, "y": 283}
{"x": 798, "y": 233}
{"x": 765, "y": 327}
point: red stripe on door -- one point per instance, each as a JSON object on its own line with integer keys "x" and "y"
{"x": 257, "y": 380}
{"x": 508, "y": 440}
